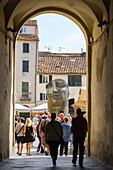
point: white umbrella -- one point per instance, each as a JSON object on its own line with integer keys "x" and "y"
{"x": 81, "y": 102}
{"x": 19, "y": 107}
{"x": 41, "y": 107}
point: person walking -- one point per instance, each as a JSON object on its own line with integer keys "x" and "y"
{"x": 53, "y": 134}
{"x": 20, "y": 135}
{"x": 66, "y": 136}
{"x": 42, "y": 129}
{"x": 16, "y": 122}
{"x": 39, "y": 135}
{"x": 79, "y": 130}
{"x": 29, "y": 135}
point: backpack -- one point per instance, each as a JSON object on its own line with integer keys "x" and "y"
{"x": 43, "y": 125}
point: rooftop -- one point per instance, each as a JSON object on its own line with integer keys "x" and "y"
{"x": 31, "y": 22}
{"x": 61, "y": 63}
{"x": 22, "y": 36}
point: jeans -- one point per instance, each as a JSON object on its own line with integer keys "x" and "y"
{"x": 39, "y": 145}
{"x": 78, "y": 141}
{"x": 62, "y": 146}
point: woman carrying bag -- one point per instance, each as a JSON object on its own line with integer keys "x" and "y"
{"x": 29, "y": 135}
{"x": 53, "y": 135}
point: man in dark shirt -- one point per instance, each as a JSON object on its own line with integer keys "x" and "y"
{"x": 79, "y": 130}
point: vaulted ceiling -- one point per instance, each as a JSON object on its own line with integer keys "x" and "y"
{"x": 82, "y": 12}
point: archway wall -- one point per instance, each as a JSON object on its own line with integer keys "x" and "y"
{"x": 87, "y": 14}
{"x": 102, "y": 95}
{"x": 6, "y": 91}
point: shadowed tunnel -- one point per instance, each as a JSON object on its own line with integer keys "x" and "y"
{"x": 87, "y": 14}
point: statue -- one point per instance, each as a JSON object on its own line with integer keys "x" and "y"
{"x": 57, "y": 95}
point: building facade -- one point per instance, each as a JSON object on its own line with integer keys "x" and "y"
{"x": 70, "y": 67}
{"x": 26, "y": 64}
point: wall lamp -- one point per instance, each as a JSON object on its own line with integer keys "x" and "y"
{"x": 12, "y": 30}
{"x": 103, "y": 23}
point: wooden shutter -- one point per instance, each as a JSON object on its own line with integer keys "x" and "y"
{"x": 40, "y": 78}
{"x": 50, "y": 78}
{"x": 41, "y": 96}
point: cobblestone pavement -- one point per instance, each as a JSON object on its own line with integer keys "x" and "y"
{"x": 38, "y": 161}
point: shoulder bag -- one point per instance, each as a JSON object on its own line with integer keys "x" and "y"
{"x": 29, "y": 137}
{"x": 20, "y": 130}
{"x": 61, "y": 138}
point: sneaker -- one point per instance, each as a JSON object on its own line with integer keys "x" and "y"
{"x": 38, "y": 150}
{"x": 74, "y": 162}
{"x": 42, "y": 151}
{"x": 46, "y": 153}
{"x": 81, "y": 165}
{"x": 54, "y": 162}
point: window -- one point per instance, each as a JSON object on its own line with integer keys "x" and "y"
{"x": 43, "y": 96}
{"x": 45, "y": 78}
{"x": 25, "y": 66}
{"x": 25, "y": 47}
{"x": 23, "y": 30}
{"x": 25, "y": 89}
{"x": 74, "y": 80}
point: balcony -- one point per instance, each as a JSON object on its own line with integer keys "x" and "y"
{"x": 25, "y": 96}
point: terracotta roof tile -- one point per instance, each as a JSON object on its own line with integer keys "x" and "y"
{"x": 31, "y": 37}
{"x": 70, "y": 63}
{"x": 31, "y": 22}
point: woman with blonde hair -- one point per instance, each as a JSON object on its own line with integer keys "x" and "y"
{"x": 29, "y": 135}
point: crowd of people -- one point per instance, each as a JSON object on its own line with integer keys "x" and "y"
{"x": 53, "y": 132}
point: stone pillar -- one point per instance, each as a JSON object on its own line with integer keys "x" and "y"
{"x": 6, "y": 91}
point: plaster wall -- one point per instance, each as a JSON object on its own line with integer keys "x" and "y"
{"x": 29, "y": 29}
{"x": 102, "y": 95}
{"x": 29, "y": 76}
{"x": 73, "y": 91}
{"x": 6, "y": 93}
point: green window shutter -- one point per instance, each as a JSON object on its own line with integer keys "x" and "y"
{"x": 50, "y": 78}
{"x": 78, "y": 80}
{"x": 25, "y": 66}
{"x": 25, "y": 89}
{"x": 40, "y": 78}
{"x": 74, "y": 80}
{"x": 25, "y": 47}
{"x": 41, "y": 96}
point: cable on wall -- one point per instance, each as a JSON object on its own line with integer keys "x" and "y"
{"x": 106, "y": 30}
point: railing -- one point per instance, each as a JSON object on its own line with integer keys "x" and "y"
{"x": 25, "y": 96}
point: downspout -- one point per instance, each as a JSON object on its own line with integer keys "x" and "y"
{"x": 36, "y": 68}
{"x": 89, "y": 72}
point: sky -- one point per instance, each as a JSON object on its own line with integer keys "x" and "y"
{"x": 59, "y": 34}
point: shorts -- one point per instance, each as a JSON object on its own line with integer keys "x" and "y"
{"x": 20, "y": 139}
{"x": 43, "y": 140}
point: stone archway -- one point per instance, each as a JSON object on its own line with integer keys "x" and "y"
{"x": 87, "y": 14}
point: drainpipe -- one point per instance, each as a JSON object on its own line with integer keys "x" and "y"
{"x": 36, "y": 68}
{"x": 89, "y": 68}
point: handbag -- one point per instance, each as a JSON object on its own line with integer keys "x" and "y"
{"x": 61, "y": 138}
{"x": 29, "y": 138}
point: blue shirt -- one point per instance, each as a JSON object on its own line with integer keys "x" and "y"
{"x": 66, "y": 131}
